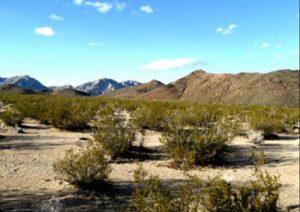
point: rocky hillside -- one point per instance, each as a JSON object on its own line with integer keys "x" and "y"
{"x": 136, "y": 91}
{"x": 12, "y": 89}
{"x": 55, "y": 88}
{"x": 274, "y": 88}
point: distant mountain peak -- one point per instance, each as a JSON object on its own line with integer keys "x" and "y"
{"x": 104, "y": 85}
{"x": 25, "y": 82}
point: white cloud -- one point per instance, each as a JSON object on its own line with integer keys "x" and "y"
{"x": 164, "y": 64}
{"x": 45, "y": 31}
{"x": 120, "y": 6}
{"x": 94, "y": 44}
{"x": 278, "y": 46}
{"x": 227, "y": 30}
{"x": 102, "y": 7}
{"x": 78, "y": 2}
{"x": 280, "y": 56}
{"x": 265, "y": 45}
{"x": 55, "y": 17}
{"x": 146, "y": 9}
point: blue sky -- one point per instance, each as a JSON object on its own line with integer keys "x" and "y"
{"x": 73, "y": 41}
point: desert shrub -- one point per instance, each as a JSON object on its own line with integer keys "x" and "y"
{"x": 261, "y": 194}
{"x": 62, "y": 112}
{"x": 83, "y": 168}
{"x": 69, "y": 115}
{"x": 150, "y": 194}
{"x": 115, "y": 138}
{"x": 203, "y": 116}
{"x": 189, "y": 147}
{"x": 216, "y": 194}
{"x": 150, "y": 117}
{"x": 269, "y": 122}
{"x": 11, "y": 117}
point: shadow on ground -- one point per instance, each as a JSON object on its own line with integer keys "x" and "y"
{"x": 115, "y": 196}
{"x": 24, "y": 142}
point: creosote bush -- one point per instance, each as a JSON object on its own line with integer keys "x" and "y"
{"x": 270, "y": 122}
{"x": 115, "y": 138}
{"x": 84, "y": 167}
{"x": 193, "y": 146}
{"x": 216, "y": 194}
{"x": 149, "y": 117}
{"x": 11, "y": 117}
{"x": 69, "y": 115}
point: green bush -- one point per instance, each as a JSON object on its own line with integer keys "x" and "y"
{"x": 260, "y": 194}
{"x": 270, "y": 122}
{"x": 69, "y": 115}
{"x": 150, "y": 194}
{"x": 189, "y": 147}
{"x": 11, "y": 117}
{"x": 150, "y": 117}
{"x": 115, "y": 138}
{"x": 84, "y": 167}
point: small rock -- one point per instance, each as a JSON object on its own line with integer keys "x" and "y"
{"x": 19, "y": 129}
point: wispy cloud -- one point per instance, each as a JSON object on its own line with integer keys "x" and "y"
{"x": 164, "y": 64}
{"x": 265, "y": 45}
{"x": 94, "y": 44}
{"x": 45, "y": 31}
{"x": 227, "y": 30}
{"x": 146, "y": 9}
{"x": 278, "y": 45}
{"x": 55, "y": 17}
{"x": 102, "y": 7}
{"x": 120, "y": 6}
{"x": 78, "y": 2}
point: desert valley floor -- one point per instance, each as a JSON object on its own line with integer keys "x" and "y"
{"x": 28, "y": 182}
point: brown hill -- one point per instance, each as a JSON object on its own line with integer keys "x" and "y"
{"x": 69, "y": 92}
{"x": 274, "y": 88}
{"x": 137, "y": 91}
{"x": 13, "y": 89}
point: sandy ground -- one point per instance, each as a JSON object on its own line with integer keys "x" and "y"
{"x": 27, "y": 180}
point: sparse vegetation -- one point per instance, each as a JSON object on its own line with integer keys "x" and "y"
{"x": 274, "y": 121}
{"x": 192, "y": 134}
{"x": 260, "y": 194}
{"x": 11, "y": 117}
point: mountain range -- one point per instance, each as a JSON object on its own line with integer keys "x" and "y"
{"x": 98, "y": 87}
{"x": 274, "y": 88}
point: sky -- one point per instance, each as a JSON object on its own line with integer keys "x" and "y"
{"x": 63, "y": 42}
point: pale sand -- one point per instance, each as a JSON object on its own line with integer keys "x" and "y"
{"x": 26, "y": 162}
